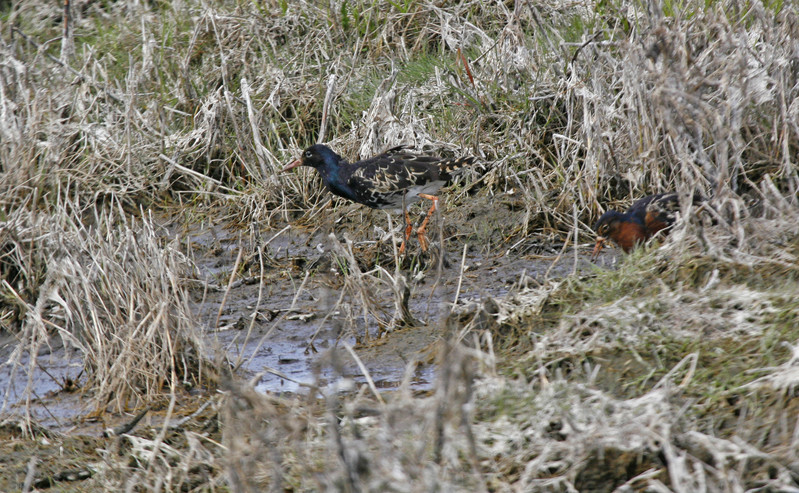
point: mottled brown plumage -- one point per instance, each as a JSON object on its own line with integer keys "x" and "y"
{"x": 392, "y": 180}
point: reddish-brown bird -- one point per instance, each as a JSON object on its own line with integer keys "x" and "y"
{"x": 645, "y": 218}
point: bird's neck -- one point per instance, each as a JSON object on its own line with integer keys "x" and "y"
{"x": 335, "y": 181}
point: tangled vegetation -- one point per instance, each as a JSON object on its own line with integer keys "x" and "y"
{"x": 673, "y": 370}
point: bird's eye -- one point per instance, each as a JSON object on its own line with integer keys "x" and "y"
{"x": 308, "y": 153}
{"x": 603, "y": 229}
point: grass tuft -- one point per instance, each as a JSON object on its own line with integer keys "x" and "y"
{"x": 674, "y": 370}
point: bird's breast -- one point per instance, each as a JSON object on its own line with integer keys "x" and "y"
{"x": 341, "y": 189}
{"x": 628, "y": 235}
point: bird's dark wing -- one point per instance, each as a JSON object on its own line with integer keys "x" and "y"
{"x": 640, "y": 206}
{"x": 661, "y": 210}
{"x": 390, "y": 174}
{"x": 398, "y": 153}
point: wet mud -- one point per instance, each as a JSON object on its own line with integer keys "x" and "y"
{"x": 288, "y": 324}
{"x": 281, "y": 308}
{"x": 289, "y": 320}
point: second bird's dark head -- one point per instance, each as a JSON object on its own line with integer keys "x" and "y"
{"x": 606, "y": 227}
{"x": 608, "y": 223}
{"x": 316, "y": 156}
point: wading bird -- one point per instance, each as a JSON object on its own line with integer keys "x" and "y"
{"x": 642, "y": 221}
{"x": 392, "y": 180}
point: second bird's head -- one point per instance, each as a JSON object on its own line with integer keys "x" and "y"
{"x": 607, "y": 227}
{"x": 609, "y": 223}
{"x": 315, "y": 156}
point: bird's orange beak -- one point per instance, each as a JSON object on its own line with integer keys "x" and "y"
{"x": 600, "y": 242}
{"x": 293, "y": 165}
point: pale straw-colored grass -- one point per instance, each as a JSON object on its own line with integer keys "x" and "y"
{"x": 577, "y": 107}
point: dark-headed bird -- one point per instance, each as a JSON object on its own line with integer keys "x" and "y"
{"x": 645, "y": 218}
{"x": 392, "y": 180}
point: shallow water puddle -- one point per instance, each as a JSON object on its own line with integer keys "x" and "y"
{"x": 284, "y": 324}
{"x": 297, "y": 338}
{"x": 53, "y": 371}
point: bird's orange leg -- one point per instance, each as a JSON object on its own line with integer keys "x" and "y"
{"x": 420, "y": 231}
{"x": 408, "y": 230}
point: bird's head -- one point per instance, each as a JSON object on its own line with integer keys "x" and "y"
{"x": 607, "y": 226}
{"x": 316, "y": 156}
{"x": 608, "y": 223}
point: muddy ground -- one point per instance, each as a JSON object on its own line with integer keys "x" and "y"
{"x": 283, "y": 322}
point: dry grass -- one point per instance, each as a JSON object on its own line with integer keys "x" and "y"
{"x": 673, "y": 373}
{"x": 353, "y": 442}
{"x": 113, "y": 291}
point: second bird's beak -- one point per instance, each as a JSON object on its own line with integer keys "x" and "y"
{"x": 294, "y": 164}
{"x": 600, "y": 242}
